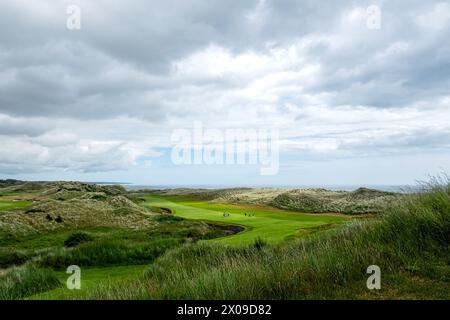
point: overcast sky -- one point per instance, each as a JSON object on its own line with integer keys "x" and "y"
{"x": 353, "y": 104}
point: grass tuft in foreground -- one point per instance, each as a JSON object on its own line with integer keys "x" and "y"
{"x": 25, "y": 281}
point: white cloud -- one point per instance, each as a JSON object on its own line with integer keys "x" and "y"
{"x": 436, "y": 18}
{"x": 110, "y": 95}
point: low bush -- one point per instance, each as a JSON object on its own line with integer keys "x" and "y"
{"x": 77, "y": 238}
{"x": 9, "y": 257}
{"x": 259, "y": 243}
{"x": 168, "y": 218}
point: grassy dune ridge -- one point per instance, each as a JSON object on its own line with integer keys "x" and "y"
{"x": 310, "y": 200}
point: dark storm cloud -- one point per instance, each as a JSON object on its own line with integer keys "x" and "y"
{"x": 119, "y": 62}
{"x": 56, "y": 72}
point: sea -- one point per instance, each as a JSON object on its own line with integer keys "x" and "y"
{"x": 389, "y": 188}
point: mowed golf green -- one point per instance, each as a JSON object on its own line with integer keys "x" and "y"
{"x": 271, "y": 224}
{"x": 9, "y": 204}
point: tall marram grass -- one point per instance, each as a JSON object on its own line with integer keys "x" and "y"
{"x": 107, "y": 252}
{"x": 410, "y": 237}
{"x": 25, "y": 281}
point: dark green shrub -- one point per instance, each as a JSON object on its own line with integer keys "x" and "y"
{"x": 77, "y": 238}
{"x": 34, "y": 210}
{"x": 259, "y": 243}
{"x": 168, "y": 218}
{"x": 12, "y": 257}
{"x": 99, "y": 197}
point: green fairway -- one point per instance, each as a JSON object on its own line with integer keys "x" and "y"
{"x": 271, "y": 224}
{"x": 91, "y": 278}
{"x": 10, "y": 204}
